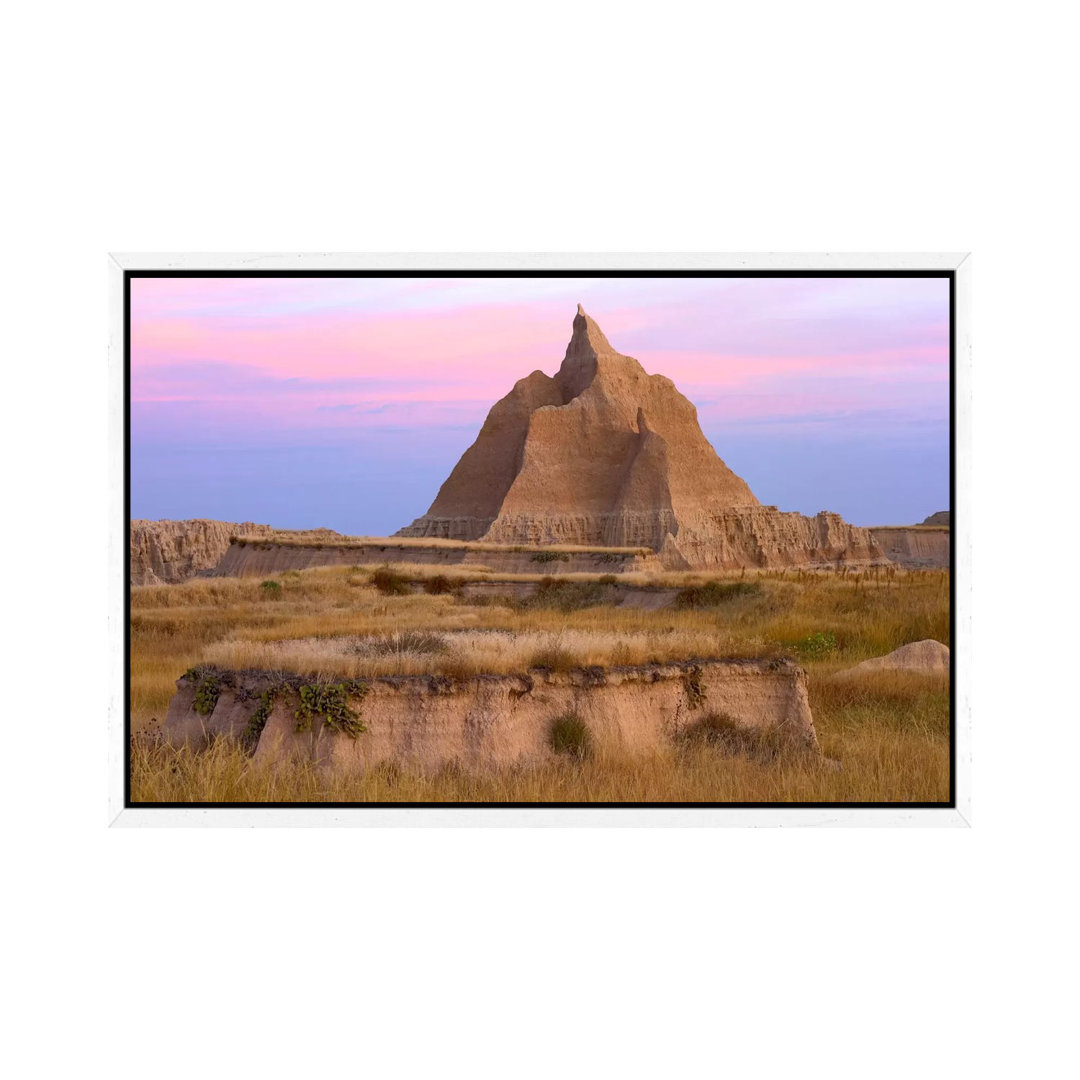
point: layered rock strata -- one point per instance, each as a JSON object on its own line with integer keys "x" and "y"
{"x": 917, "y": 547}
{"x": 167, "y": 552}
{"x": 253, "y": 557}
{"x": 489, "y": 721}
{"x": 604, "y": 453}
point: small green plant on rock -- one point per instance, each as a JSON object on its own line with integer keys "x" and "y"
{"x": 329, "y": 702}
{"x": 207, "y": 692}
{"x": 550, "y": 556}
{"x": 258, "y": 718}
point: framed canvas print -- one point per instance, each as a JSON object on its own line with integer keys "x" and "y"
{"x": 544, "y": 539}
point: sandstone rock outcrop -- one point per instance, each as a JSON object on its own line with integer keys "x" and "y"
{"x": 940, "y": 518}
{"x": 490, "y": 720}
{"x": 604, "y": 453}
{"x": 918, "y": 547}
{"x": 924, "y": 657}
{"x": 165, "y": 552}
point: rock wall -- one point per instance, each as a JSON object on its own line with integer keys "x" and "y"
{"x": 165, "y": 552}
{"x": 263, "y": 558}
{"x": 488, "y": 721}
{"x": 917, "y": 547}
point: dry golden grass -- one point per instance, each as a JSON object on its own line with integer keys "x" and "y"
{"x": 890, "y": 749}
{"x": 889, "y": 733}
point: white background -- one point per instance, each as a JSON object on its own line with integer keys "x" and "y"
{"x": 556, "y": 127}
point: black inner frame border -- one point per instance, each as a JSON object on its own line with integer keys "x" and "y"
{"x": 542, "y": 273}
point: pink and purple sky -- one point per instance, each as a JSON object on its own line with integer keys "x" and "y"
{"x": 345, "y": 402}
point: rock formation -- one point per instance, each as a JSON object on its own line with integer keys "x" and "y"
{"x": 492, "y": 720}
{"x": 603, "y": 453}
{"x": 927, "y": 657}
{"x": 940, "y": 518}
{"x": 916, "y": 547}
{"x": 165, "y": 552}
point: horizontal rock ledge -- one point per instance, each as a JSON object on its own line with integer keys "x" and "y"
{"x": 487, "y": 721}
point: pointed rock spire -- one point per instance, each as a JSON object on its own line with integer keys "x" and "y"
{"x": 579, "y": 365}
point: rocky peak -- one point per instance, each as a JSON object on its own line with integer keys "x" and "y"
{"x": 579, "y": 366}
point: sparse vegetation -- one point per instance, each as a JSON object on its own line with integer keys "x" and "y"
{"x": 715, "y": 593}
{"x": 207, "y": 692}
{"x": 890, "y": 734}
{"x": 570, "y": 736}
{"x": 552, "y": 657}
{"x": 817, "y": 644}
{"x": 272, "y": 589}
{"x": 566, "y": 595}
{"x": 390, "y": 582}
{"x": 441, "y": 585}
{"x": 724, "y": 732}
{"x": 329, "y": 702}
{"x": 550, "y": 556}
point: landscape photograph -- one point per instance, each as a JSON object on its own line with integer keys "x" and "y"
{"x": 539, "y": 539}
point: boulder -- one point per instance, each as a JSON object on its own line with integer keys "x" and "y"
{"x": 924, "y": 657}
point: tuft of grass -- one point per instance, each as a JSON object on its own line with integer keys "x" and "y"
{"x": 724, "y": 732}
{"x": 441, "y": 585}
{"x": 390, "y": 582}
{"x": 570, "y": 736}
{"x": 715, "y": 593}
{"x": 272, "y": 589}
{"x": 567, "y": 595}
{"x": 405, "y": 641}
{"x": 553, "y": 658}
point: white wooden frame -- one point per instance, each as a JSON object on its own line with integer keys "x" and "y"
{"x": 673, "y": 817}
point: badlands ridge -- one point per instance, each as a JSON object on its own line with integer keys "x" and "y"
{"x": 601, "y": 457}
{"x": 603, "y": 453}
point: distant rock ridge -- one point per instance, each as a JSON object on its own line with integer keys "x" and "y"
{"x": 166, "y": 552}
{"x": 604, "y": 453}
{"x": 940, "y": 518}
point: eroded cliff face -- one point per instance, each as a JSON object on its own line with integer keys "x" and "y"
{"x": 604, "y": 453}
{"x": 486, "y": 721}
{"x": 165, "y": 552}
{"x": 918, "y": 547}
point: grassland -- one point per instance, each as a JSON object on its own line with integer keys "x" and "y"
{"x": 889, "y": 733}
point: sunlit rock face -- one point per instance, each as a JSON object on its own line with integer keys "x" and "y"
{"x": 604, "y": 453}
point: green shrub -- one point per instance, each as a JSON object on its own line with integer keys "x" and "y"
{"x": 715, "y": 593}
{"x": 570, "y": 736}
{"x": 818, "y": 644}
{"x": 609, "y": 579}
{"x": 330, "y": 703}
{"x": 207, "y": 692}
{"x": 257, "y": 720}
{"x": 272, "y": 589}
{"x": 390, "y": 582}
